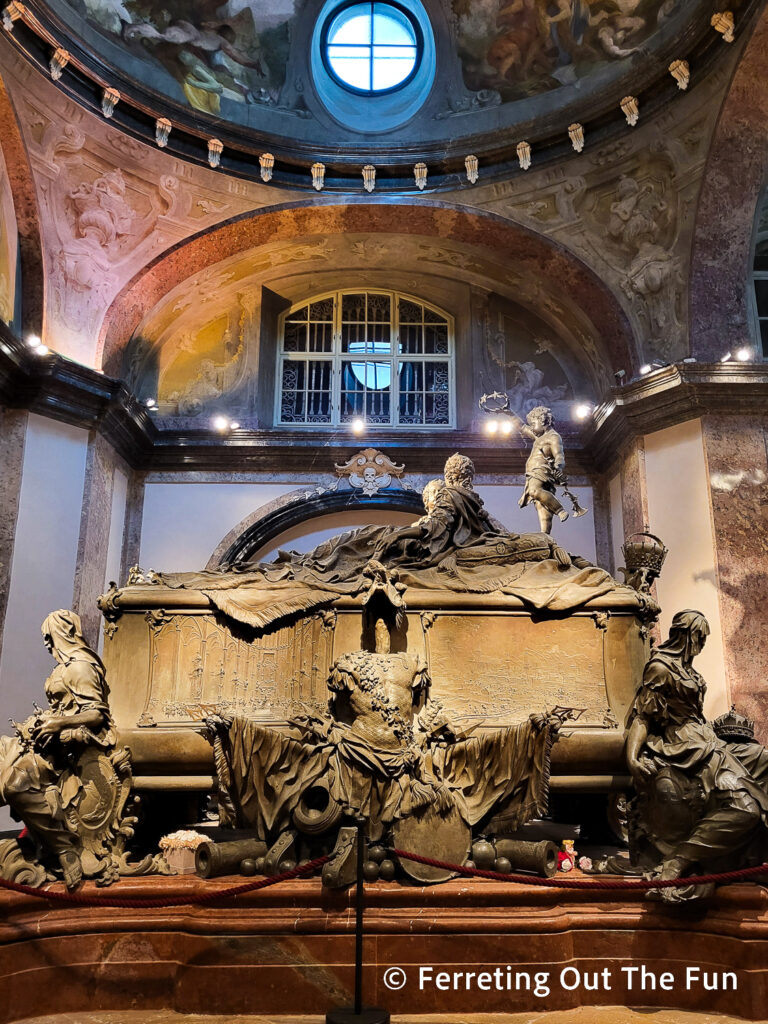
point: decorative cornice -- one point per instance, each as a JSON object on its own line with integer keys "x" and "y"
{"x": 39, "y": 31}
{"x": 64, "y": 390}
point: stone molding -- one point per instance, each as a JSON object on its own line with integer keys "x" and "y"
{"x": 64, "y": 390}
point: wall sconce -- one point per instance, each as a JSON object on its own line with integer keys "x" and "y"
{"x": 12, "y": 13}
{"x": 58, "y": 62}
{"x": 162, "y": 131}
{"x": 369, "y": 177}
{"x": 318, "y": 176}
{"x": 524, "y": 155}
{"x": 723, "y": 23}
{"x": 471, "y": 165}
{"x": 630, "y": 109}
{"x": 420, "y": 175}
{"x": 109, "y": 100}
{"x": 215, "y": 149}
{"x": 267, "y": 165}
{"x": 576, "y": 133}
{"x": 681, "y": 73}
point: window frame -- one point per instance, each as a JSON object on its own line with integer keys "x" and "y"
{"x": 331, "y": 18}
{"x": 336, "y": 357}
{"x": 755, "y": 276}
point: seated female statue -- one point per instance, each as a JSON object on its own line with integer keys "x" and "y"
{"x": 37, "y": 778}
{"x": 698, "y": 804}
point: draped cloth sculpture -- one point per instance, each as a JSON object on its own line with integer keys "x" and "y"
{"x": 454, "y": 546}
{"x": 63, "y": 776}
{"x": 384, "y": 751}
{"x": 702, "y": 802}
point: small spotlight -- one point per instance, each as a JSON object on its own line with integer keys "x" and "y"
{"x": 744, "y": 354}
{"x": 645, "y": 368}
{"x": 33, "y": 341}
{"x": 150, "y": 403}
{"x": 358, "y": 425}
{"x": 507, "y": 427}
{"x": 582, "y": 410}
{"x": 492, "y": 427}
{"x": 41, "y": 350}
{"x": 690, "y": 359}
{"x": 234, "y": 426}
{"x": 726, "y": 358}
{"x": 619, "y": 375}
{"x": 220, "y": 423}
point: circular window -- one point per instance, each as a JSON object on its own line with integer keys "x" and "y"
{"x": 372, "y": 48}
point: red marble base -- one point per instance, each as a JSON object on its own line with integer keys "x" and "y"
{"x": 290, "y": 948}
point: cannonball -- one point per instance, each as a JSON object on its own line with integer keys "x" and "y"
{"x": 377, "y": 853}
{"x": 503, "y": 865}
{"x": 370, "y": 871}
{"x": 286, "y": 865}
{"x": 259, "y": 862}
{"x": 484, "y": 854}
{"x": 247, "y": 866}
{"x": 387, "y": 870}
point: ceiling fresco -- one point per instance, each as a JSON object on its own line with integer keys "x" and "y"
{"x": 522, "y": 47}
{"x": 246, "y": 65}
{"x": 204, "y": 52}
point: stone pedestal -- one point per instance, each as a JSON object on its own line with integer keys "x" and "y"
{"x": 289, "y": 949}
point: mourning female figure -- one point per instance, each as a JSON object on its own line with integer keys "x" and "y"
{"x": 698, "y": 806}
{"x": 42, "y": 775}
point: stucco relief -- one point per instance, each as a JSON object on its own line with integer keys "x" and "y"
{"x": 627, "y": 209}
{"x": 109, "y": 204}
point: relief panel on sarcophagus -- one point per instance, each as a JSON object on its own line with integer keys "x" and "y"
{"x": 198, "y": 665}
{"x": 501, "y": 667}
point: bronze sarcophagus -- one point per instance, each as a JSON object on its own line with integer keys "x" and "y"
{"x": 173, "y": 658}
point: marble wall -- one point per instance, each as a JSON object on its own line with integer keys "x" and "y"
{"x": 678, "y": 502}
{"x": 736, "y": 453}
{"x": 213, "y": 511}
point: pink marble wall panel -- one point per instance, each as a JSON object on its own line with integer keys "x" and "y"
{"x": 733, "y": 179}
{"x": 737, "y": 462}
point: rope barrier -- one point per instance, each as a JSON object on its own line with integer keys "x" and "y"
{"x": 194, "y": 899}
{"x": 198, "y": 899}
{"x": 583, "y": 883}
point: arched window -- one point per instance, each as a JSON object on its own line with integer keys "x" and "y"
{"x": 381, "y": 357}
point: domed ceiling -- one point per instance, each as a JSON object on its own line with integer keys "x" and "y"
{"x": 255, "y": 74}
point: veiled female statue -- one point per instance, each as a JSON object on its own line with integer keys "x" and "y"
{"x": 702, "y": 802}
{"x": 61, "y": 774}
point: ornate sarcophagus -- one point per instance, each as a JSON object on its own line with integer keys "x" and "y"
{"x": 173, "y": 657}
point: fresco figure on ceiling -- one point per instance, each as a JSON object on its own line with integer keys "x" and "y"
{"x": 216, "y": 51}
{"x": 522, "y": 47}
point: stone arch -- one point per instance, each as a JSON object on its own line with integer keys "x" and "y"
{"x": 734, "y": 176}
{"x": 27, "y": 216}
{"x": 543, "y": 258}
{"x": 299, "y": 507}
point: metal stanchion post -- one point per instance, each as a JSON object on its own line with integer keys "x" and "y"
{"x": 356, "y": 1014}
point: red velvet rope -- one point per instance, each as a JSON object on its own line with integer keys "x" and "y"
{"x": 583, "y": 883}
{"x": 193, "y": 899}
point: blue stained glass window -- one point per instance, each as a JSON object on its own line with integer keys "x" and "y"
{"x": 372, "y": 47}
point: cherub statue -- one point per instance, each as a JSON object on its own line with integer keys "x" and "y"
{"x": 545, "y": 468}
